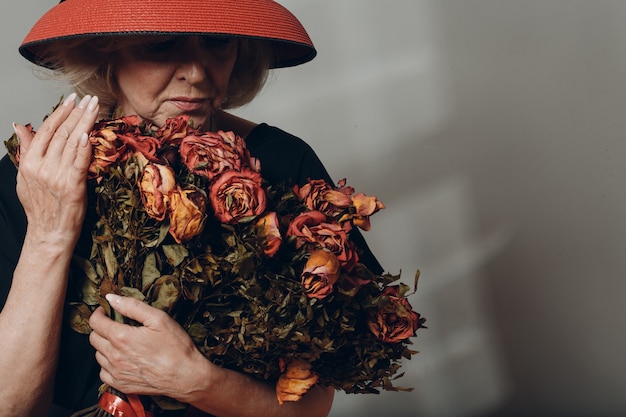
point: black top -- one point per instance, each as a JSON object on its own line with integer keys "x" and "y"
{"x": 283, "y": 157}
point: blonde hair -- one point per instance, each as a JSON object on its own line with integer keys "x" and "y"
{"x": 88, "y": 65}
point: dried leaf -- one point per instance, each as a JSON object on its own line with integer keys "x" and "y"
{"x": 175, "y": 254}
{"x": 78, "y": 317}
{"x": 149, "y": 272}
{"x": 165, "y": 293}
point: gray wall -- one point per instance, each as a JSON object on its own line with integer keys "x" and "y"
{"x": 494, "y": 133}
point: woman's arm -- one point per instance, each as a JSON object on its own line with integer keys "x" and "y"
{"x": 51, "y": 186}
{"x": 159, "y": 358}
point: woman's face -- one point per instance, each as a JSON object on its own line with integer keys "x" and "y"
{"x": 166, "y": 77}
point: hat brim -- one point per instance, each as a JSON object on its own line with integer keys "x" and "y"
{"x": 256, "y": 19}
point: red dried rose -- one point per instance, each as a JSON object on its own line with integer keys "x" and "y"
{"x": 396, "y": 320}
{"x": 208, "y": 155}
{"x": 314, "y": 228}
{"x": 321, "y": 196}
{"x": 237, "y": 196}
{"x": 174, "y": 130}
{"x": 301, "y": 226}
{"x": 146, "y": 145}
{"x": 156, "y": 182}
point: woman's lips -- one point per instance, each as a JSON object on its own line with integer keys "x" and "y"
{"x": 189, "y": 104}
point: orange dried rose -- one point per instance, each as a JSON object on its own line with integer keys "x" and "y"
{"x": 268, "y": 228}
{"x": 107, "y": 150}
{"x": 320, "y": 274}
{"x": 187, "y": 213}
{"x": 296, "y": 379}
{"x": 365, "y": 206}
{"x": 109, "y": 140}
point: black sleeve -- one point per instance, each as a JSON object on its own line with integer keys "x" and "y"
{"x": 12, "y": 226}
{"x": 285, "y": 157}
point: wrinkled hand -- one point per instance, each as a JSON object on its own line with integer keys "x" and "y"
{"x": 51, "y": 181}
{"x": 158, "y": 358}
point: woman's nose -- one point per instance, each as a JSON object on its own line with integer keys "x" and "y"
{"x": 194, "y": 61}
{"x": 192, "y": 71}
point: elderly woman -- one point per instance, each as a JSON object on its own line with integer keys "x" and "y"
{"x": 157, "y": 59}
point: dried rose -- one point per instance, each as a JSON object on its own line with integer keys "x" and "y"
{"x": 156, "y": 182}
{"x": 268, "y": 229}
{"x": 295, "y": 380}
{"x": 312, "y": 228}
{"x": 365, "y": 206}
{"x": 187, "y": 213}
{"x": 146, "y": 145}
{"x": 301, "y": 226}
{"x": 211, "y": 153}
{"x": 396, "y": 320}
{"x": 237, "y": 196}
{"x": 108, "y": 149}
{"x": 174, "y": 130}
{"x": 238, "y": 146}
{"x": 321, "y": 196}
{"x": 208, "y": 155}
{"x": 320, "y": 274}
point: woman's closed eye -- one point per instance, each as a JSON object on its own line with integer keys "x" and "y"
{"x": 160, "y": 47}
{"x": 168, "y": 47}
{"x": 216, "y": 42}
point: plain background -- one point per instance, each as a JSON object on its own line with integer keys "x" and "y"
{"x": 493, "y": 131}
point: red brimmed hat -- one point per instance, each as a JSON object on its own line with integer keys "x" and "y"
{"x": 259, "y": 19}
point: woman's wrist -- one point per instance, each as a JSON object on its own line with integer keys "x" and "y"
{"x": 202, "y": 381}
{"x": 48, "y": 245}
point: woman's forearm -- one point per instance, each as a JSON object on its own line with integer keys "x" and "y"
{"x": 234, "y": 394}
{"x": 51, "y": 186}
{"x": 30, "y": 328}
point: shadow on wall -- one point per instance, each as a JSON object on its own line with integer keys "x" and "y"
{"x": 493, "y": 132}
{"x": 382, "y": 103}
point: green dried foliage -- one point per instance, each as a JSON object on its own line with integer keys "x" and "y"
{"x": 243, "y": 309}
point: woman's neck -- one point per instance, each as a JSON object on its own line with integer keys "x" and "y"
{"x": 229, "y": 122}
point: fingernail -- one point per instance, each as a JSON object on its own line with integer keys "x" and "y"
{"x": 14, "y": 127}
{"x": 84, "y": 101}
{"x": 69, "y": 99}
{"x": 112, "y": 298}
{"x": 84, "y": 139}
{"x": 93, "y": 103}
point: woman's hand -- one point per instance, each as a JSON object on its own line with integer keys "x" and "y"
{"x": 51, "y": 181}
{"x": 157, "y": 358}
{"x": 51, "y": 185}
